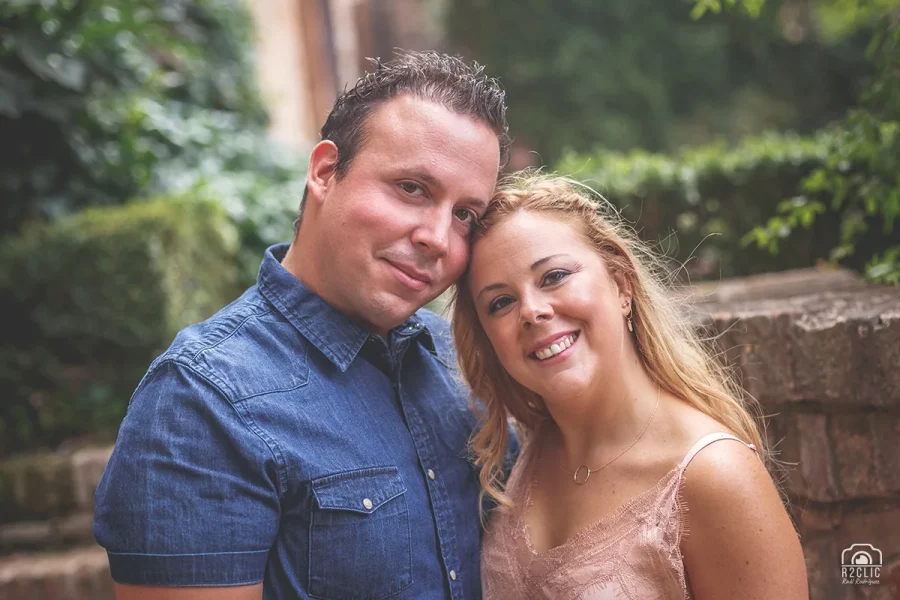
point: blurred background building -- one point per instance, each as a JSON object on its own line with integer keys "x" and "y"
{"x": 308, "y": 51}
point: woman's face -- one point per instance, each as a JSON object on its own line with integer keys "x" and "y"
{"x": 548, "y": 304}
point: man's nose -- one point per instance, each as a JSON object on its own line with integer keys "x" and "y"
{"x": 433, "y": 235}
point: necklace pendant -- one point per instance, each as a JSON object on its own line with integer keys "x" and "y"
{"x": 581, "y": 480}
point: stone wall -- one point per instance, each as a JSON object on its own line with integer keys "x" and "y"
{"x": 820, "y": 350}
{"x": 47, "y": 549}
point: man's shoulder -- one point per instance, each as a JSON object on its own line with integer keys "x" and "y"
{"x": 196, "y": 339}
{"x": 237, "y": 343}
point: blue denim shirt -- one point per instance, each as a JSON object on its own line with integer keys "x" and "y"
{"x": 279, "y": 442}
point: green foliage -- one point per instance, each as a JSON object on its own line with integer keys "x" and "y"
{"x": 859, "y": 183}
{"x": 644, "y": 74}
{"x": 698, "y": 205}
{"x": 88, "y": 301}
{"x": 108, "y": 100}
{"x": 751, "y": 7}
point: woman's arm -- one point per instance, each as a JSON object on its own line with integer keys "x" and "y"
{"x": 741, "y": 543}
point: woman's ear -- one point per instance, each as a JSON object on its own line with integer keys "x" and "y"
{"x": 321, "y": 172}
{"x": 624, "y": 290}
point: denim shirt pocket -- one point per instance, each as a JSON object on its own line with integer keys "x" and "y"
{"x": 359, "y": 538}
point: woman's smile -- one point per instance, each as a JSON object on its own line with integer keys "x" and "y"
{"x": 556, "y": 351}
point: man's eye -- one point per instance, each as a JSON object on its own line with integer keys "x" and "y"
{"x": 498, "y": 304}
{"x": 555, "y": 276}
{"x": 413, "y": 189}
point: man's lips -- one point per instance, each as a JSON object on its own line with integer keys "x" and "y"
{"x": 410, "y": 276}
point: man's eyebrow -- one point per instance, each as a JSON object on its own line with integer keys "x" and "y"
{"x": 534, "y": 265}
{"x": 427, "y": 178}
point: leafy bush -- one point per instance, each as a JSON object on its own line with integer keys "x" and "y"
{"x": 88, "y": 301}
{"x": 698, "y": 205}
{"x": 705, "y": 206}
{"x": 859, "y": 183}
{"x": 104, "y": 101}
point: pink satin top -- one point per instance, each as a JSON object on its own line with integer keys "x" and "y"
{"x": 632, "y": 553}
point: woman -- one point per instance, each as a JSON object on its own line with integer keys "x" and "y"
{"x": 631, "y": 430}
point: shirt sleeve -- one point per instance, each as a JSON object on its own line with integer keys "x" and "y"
{"x": 190, "y": 495}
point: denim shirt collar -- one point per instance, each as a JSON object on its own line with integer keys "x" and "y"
{"x": 335, "y": 335}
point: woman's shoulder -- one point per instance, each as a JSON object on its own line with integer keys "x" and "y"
{"x": 683, "y": 430}
{"x": 724, "y": 474}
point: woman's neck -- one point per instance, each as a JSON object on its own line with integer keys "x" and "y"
{"x": 595, "y": 425}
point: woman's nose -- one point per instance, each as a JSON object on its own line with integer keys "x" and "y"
{"x": 534, "y": 310}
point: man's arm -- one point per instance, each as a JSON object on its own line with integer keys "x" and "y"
{"x": 245, "y": 592}
{"x": 190, "y": 496}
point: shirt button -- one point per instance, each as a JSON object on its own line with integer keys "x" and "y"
{"x": 430, "y": 474}
{"x": 452, "y": 574}
{"x": 367, "y": 503}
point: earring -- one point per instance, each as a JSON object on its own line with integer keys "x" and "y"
{"x": 628, "y": 318}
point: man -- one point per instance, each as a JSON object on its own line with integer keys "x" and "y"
{"x": 309, "y": 440}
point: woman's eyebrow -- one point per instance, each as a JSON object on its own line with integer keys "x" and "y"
{"x": 490, "y": 287}
{"x": 541, "y": 261}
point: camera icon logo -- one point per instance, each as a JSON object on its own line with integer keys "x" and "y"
{"x": 861, "y": 555}
{"x": 861, "y": 564}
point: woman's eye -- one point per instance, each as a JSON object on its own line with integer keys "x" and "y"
{"x": 498, "y": 304}
{"x": 413, "y": 189}
{"x": 555, "y": 277}
{"x": 465, "y": 215}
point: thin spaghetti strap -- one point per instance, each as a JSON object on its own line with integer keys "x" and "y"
{"x": 705, "y": 441}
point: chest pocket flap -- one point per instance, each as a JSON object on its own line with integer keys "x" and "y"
{"x": 359, "y": 542}
{"x": 363, "y": 490}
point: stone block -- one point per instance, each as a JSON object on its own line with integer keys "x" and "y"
{"x": 835, "y": 348}
{"x": 32, "y": 534}
{"x": 815, "y": 518}
{"x": 854, "y": 455}
{"x": 87, "y": 469}
{"x": 806, "y": 451}
{"x": 78, "y": 527}
{"x": 822, "y": 551}
{"x": 820, "y": 568}
{"x": 81, "y": 574}
{"x": 886, "y": 439}
{"x": 35, "y": 486}
{"x": 50, "y": 485}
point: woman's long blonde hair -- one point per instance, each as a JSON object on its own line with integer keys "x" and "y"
{"x": 672, "y": 352}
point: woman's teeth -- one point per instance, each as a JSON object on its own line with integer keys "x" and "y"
{"x": 555, "y": 348}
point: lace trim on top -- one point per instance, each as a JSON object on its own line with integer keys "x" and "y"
{"x": 632, "y": 552}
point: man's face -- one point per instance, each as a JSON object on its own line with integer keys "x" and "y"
{"x": 396, "y": 227}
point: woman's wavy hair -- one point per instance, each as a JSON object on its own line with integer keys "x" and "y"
{"x": 673, "y": 353}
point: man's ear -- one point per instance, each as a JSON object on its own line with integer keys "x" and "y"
{"x": 321, "y": 172}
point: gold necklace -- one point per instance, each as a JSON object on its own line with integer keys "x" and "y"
{"x": 588, "y": 472}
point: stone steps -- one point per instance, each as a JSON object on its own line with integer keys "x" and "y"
{"x": 77, "y": 574}
{"x": 47, "y": 499}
